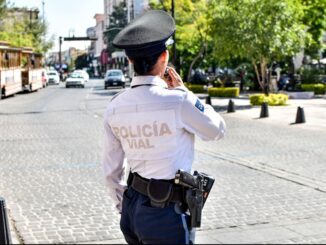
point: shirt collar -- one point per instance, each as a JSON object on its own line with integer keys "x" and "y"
{"x": 153, "y": 80}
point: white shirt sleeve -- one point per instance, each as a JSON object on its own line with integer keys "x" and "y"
{"x": 201, "y": 119}
{"x": 113, "y": 159}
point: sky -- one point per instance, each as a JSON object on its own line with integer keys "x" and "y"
{"x": 66, "y": 16}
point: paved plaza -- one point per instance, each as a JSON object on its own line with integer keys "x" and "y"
{"x": 270, "y": 173}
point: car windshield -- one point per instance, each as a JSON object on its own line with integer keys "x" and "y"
{"x": 76, "y": 75}
{"x": 114, "y": 73}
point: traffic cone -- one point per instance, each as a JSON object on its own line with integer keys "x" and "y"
{"x": 264, "y": 110}
{"x": 300, "y": 116}
{"x": 208, "y": 100}
{"x": 5, "y": 237}
{"x": 231, "y": 106}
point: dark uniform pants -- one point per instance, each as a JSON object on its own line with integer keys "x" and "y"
{"x": 143, "y": 224}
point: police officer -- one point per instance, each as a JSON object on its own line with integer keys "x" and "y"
{"x": 153, "y": 125}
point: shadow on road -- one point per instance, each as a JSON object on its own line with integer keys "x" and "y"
{"x": 237, "y": 107}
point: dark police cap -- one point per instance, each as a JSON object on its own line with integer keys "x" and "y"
{"x": 146, "y": 35}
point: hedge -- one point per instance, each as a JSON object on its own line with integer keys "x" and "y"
{"x": 317, "y": 88}
{"x": 195, "y": 88}
{"x": 223, "y": 92}
{"x": 272, "y": 99}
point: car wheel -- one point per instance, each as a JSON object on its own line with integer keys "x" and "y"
{"x": 67, "y": 86}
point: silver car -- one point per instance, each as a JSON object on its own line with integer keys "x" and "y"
{"x": 75, "y": 80}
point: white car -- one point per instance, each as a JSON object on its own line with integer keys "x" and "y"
{"x": 84, "y": 74}
{"x": 54, "y": 77}
{"x": 75, "y": 79}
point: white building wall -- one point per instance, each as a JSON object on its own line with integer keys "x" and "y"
{"x": 140, "y": 6}
{"x": 99, "y": 29}
{"x": 137, "y": 6}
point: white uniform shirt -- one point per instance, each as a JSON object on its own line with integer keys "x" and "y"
{"x": 153, "y": 128}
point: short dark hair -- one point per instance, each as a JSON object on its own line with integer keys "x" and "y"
{"x": 144, "y": 65}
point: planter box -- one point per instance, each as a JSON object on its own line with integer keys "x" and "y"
{"x": 300, "y": 95}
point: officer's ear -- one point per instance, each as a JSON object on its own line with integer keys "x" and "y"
{"x": 164, "y": 57}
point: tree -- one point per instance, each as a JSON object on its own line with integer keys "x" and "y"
{"x": 315, "y": 20}
{"x": 82, "y": 61}
{"x": 260, "y": 31}
{"x": 3, "y": 7}
{"x": 193, "y": 38}
{"x": 24, "y": 32}
{"x": 118, "y": 20}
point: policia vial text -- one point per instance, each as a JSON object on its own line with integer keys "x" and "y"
{"x": 138, "y": 136}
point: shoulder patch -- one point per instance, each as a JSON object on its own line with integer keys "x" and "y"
{"x": 200, "y": 106}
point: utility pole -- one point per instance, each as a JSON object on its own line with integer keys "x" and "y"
{"x": 43, "y": 16}
{"x": 60, "y": 59}
{"x": 43, "y": 20}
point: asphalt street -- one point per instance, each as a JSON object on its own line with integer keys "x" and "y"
{"x": 270, "y": 174}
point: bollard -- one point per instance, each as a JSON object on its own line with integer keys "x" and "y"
{"x": 264, "y": 110}
{"x": 5, "y": 237}
{"x": 300, "y": 118}
{"x": 231, "y": 106}
{"x": 208, "y": 100}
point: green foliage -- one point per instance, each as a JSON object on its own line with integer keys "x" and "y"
{"x": 224, "y": 92}
{"x": 25, "y": 33}
{"x": 315, "y": 20}
{"x": 193, "y": 41}
{"x": 317, "y": 88}
{"x": 263, "y": 32}
{"x": 2, "y": 10}
{"x": 81, "y": 61}
{"x": 118, "y": 20}
{"x": 196, "y": 88}
{"x": 271, "y": 99}
{"x": 309, "y": 76}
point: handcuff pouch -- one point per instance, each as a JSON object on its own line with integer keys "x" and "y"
{"x": 159, "y": 192}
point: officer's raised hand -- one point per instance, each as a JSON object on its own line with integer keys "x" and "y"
{"x": 173, "y": 80}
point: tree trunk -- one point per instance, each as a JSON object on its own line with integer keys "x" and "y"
{"x": 201, "y": 51}
{"x": 257, "y": 74}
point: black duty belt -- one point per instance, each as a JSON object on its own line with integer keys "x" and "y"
{"x": 157, "y": 188}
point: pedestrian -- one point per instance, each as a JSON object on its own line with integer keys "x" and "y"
{"x": 153, "y": 125}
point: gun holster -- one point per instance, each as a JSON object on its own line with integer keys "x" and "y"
{"x": 159, "y": 192}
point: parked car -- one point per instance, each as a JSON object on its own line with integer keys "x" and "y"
{"x": 54, "y": 77}
{"x": 75, "y": 79}
{"x": 114, "y": 78}
{"x": 84, "y": 74}
{"x": 45, "y": 78}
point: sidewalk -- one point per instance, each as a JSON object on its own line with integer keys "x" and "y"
{"x": 314, "y": 110}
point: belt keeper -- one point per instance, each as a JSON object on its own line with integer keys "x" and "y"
{"x": 130, "y": 178}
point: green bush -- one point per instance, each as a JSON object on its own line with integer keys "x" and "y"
{"x": 195, "y": 88}
{"x": 223, "y": 92}
{"x": 272, "y": 99}
{"x": 309, "y": 76}
{"x": 317, "y": 88}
